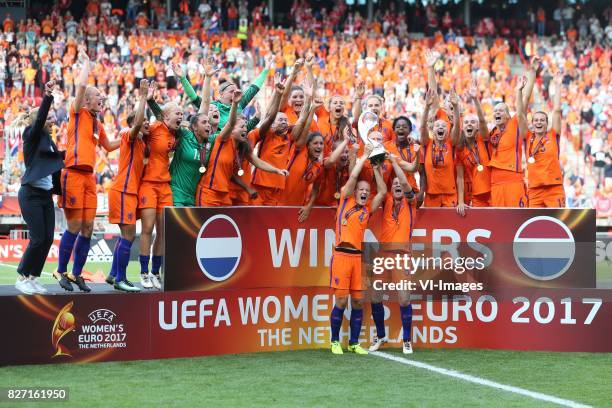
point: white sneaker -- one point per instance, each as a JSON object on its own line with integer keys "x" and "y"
{"x": 407, "y": 348}
{"x": 145, "y": 281}
{"x": 37, "y": 285}
{"x": 377, "y": 343}
{"x": 155, "y": 281}
{"x": 24, "y": 285}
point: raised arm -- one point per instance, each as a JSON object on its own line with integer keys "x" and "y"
{"x": 429, "y": 101}
{"x": 349, "y": 187}
{"x": 139, "y": 115}
{"x": 358, "y": 101}
{"x": 556, "y": 116}
{"x": 300, "y": 125}
{"x": 531, "y": 77}
{"x": 226, "y": 132}
{"x": 257, "y": 84}
{"x": 455, "y": 131}
{"x": 272, "y": 110}
{"x": 153, "y": 105}
{"x": 520, "y": 108}
{"x": 430, "y": 62}
{"x": 187, "y": 87}
{"x": 381, "y": 189}
{"x": 472, "y": 94}
{"x": 209, "y": 72}
{"x": 406, "y": 187}
{"x": 299, "y": 63}
{"x": 335, "y": 155}
{"x": 41, "y": 115}
{"x": 81, "y": 81}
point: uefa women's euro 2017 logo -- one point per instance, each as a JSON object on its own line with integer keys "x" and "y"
{"x": 219, "y": 248}
{"x": 64, "y": 323}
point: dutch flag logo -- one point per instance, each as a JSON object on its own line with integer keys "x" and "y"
{"x": 219, "y": 247}
{"x": 544, "y": 248}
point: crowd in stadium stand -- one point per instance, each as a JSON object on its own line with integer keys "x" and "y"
{"x": 125, "y": 48}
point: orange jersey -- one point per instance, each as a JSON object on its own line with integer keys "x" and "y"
{"x": 406, "y": 154}
{"x": 329, "y": 131}
{"x": 237, "y": 192}
{"x": 385, "y": 127}
{"x": 546, "y": 169}
{"x": 131, "y": 166}
{"x": 367, "y": 174}
{"x": 292, "y": 118}
{"x": 397, "y": 221}
{"x": 161, "y": 142}
{"x": 470, "y": 157}
{"x": 221, "y": 166}
{"x": 331, "y": 181}
{"x": 81, "y": 143}
{"x": 440, "y": 168}
{"x": 506, "y": 152}
{"x": 351, "y": 221}
{"x": 273, "y": 149}
{"x": 303, "y": 172}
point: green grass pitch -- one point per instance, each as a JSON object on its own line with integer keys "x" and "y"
{"x": 317, "y": 378}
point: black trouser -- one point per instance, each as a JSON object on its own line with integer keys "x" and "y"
{"x": 37, "y": 211}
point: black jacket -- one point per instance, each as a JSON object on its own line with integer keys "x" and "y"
{"x": 40, "y": 154}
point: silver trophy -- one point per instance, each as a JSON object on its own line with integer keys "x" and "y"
{"x": 368, "y": 121}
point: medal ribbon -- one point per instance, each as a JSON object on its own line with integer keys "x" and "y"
{"x": 437, "y": 155}
{"x": 539, "y": 145}
{"x": 353, "y": 211}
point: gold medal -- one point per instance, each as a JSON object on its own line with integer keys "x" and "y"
{"x": 240, "y": 173}
{"x": 480, "y": 167}
{"x": 170, "y": 154}
{"x": 337, "y": 195}
{"x": 145, "y": 161}
{"x": 344, "y": 222}
{"x": 202, "y": 169}
{"x": 531, "y": 160}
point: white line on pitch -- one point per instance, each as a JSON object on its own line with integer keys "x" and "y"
{"x": 14, "y": 267}
{"x": 481, "y": 381}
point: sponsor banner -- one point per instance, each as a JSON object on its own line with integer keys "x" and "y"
{"x": 263, "y": 247}
{"x": 105, "y": 327}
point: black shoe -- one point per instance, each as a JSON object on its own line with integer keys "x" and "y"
{"x": 78, "y": 280}
{"x": 63, "y": 281}
{"x": 110, "y": 280}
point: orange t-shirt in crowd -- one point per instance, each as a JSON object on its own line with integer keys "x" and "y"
{"x": 546, "y": 170}
{"x": 131, "y": 165}
{"x": 273, "y": 149}
{"x": 351, "y": 221}
{"x": 221, "y": 166}
{"x": 303, "y": 172}
{"x": 161, "y": 142}
{"x": 506, "y": 153}
{"x": 397, "y": 220}
{"x": 406, "y": 154}
{"x": 471, "y": 157}
{"x": 80, "y": 141}
{"x": 440, "y": 168}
